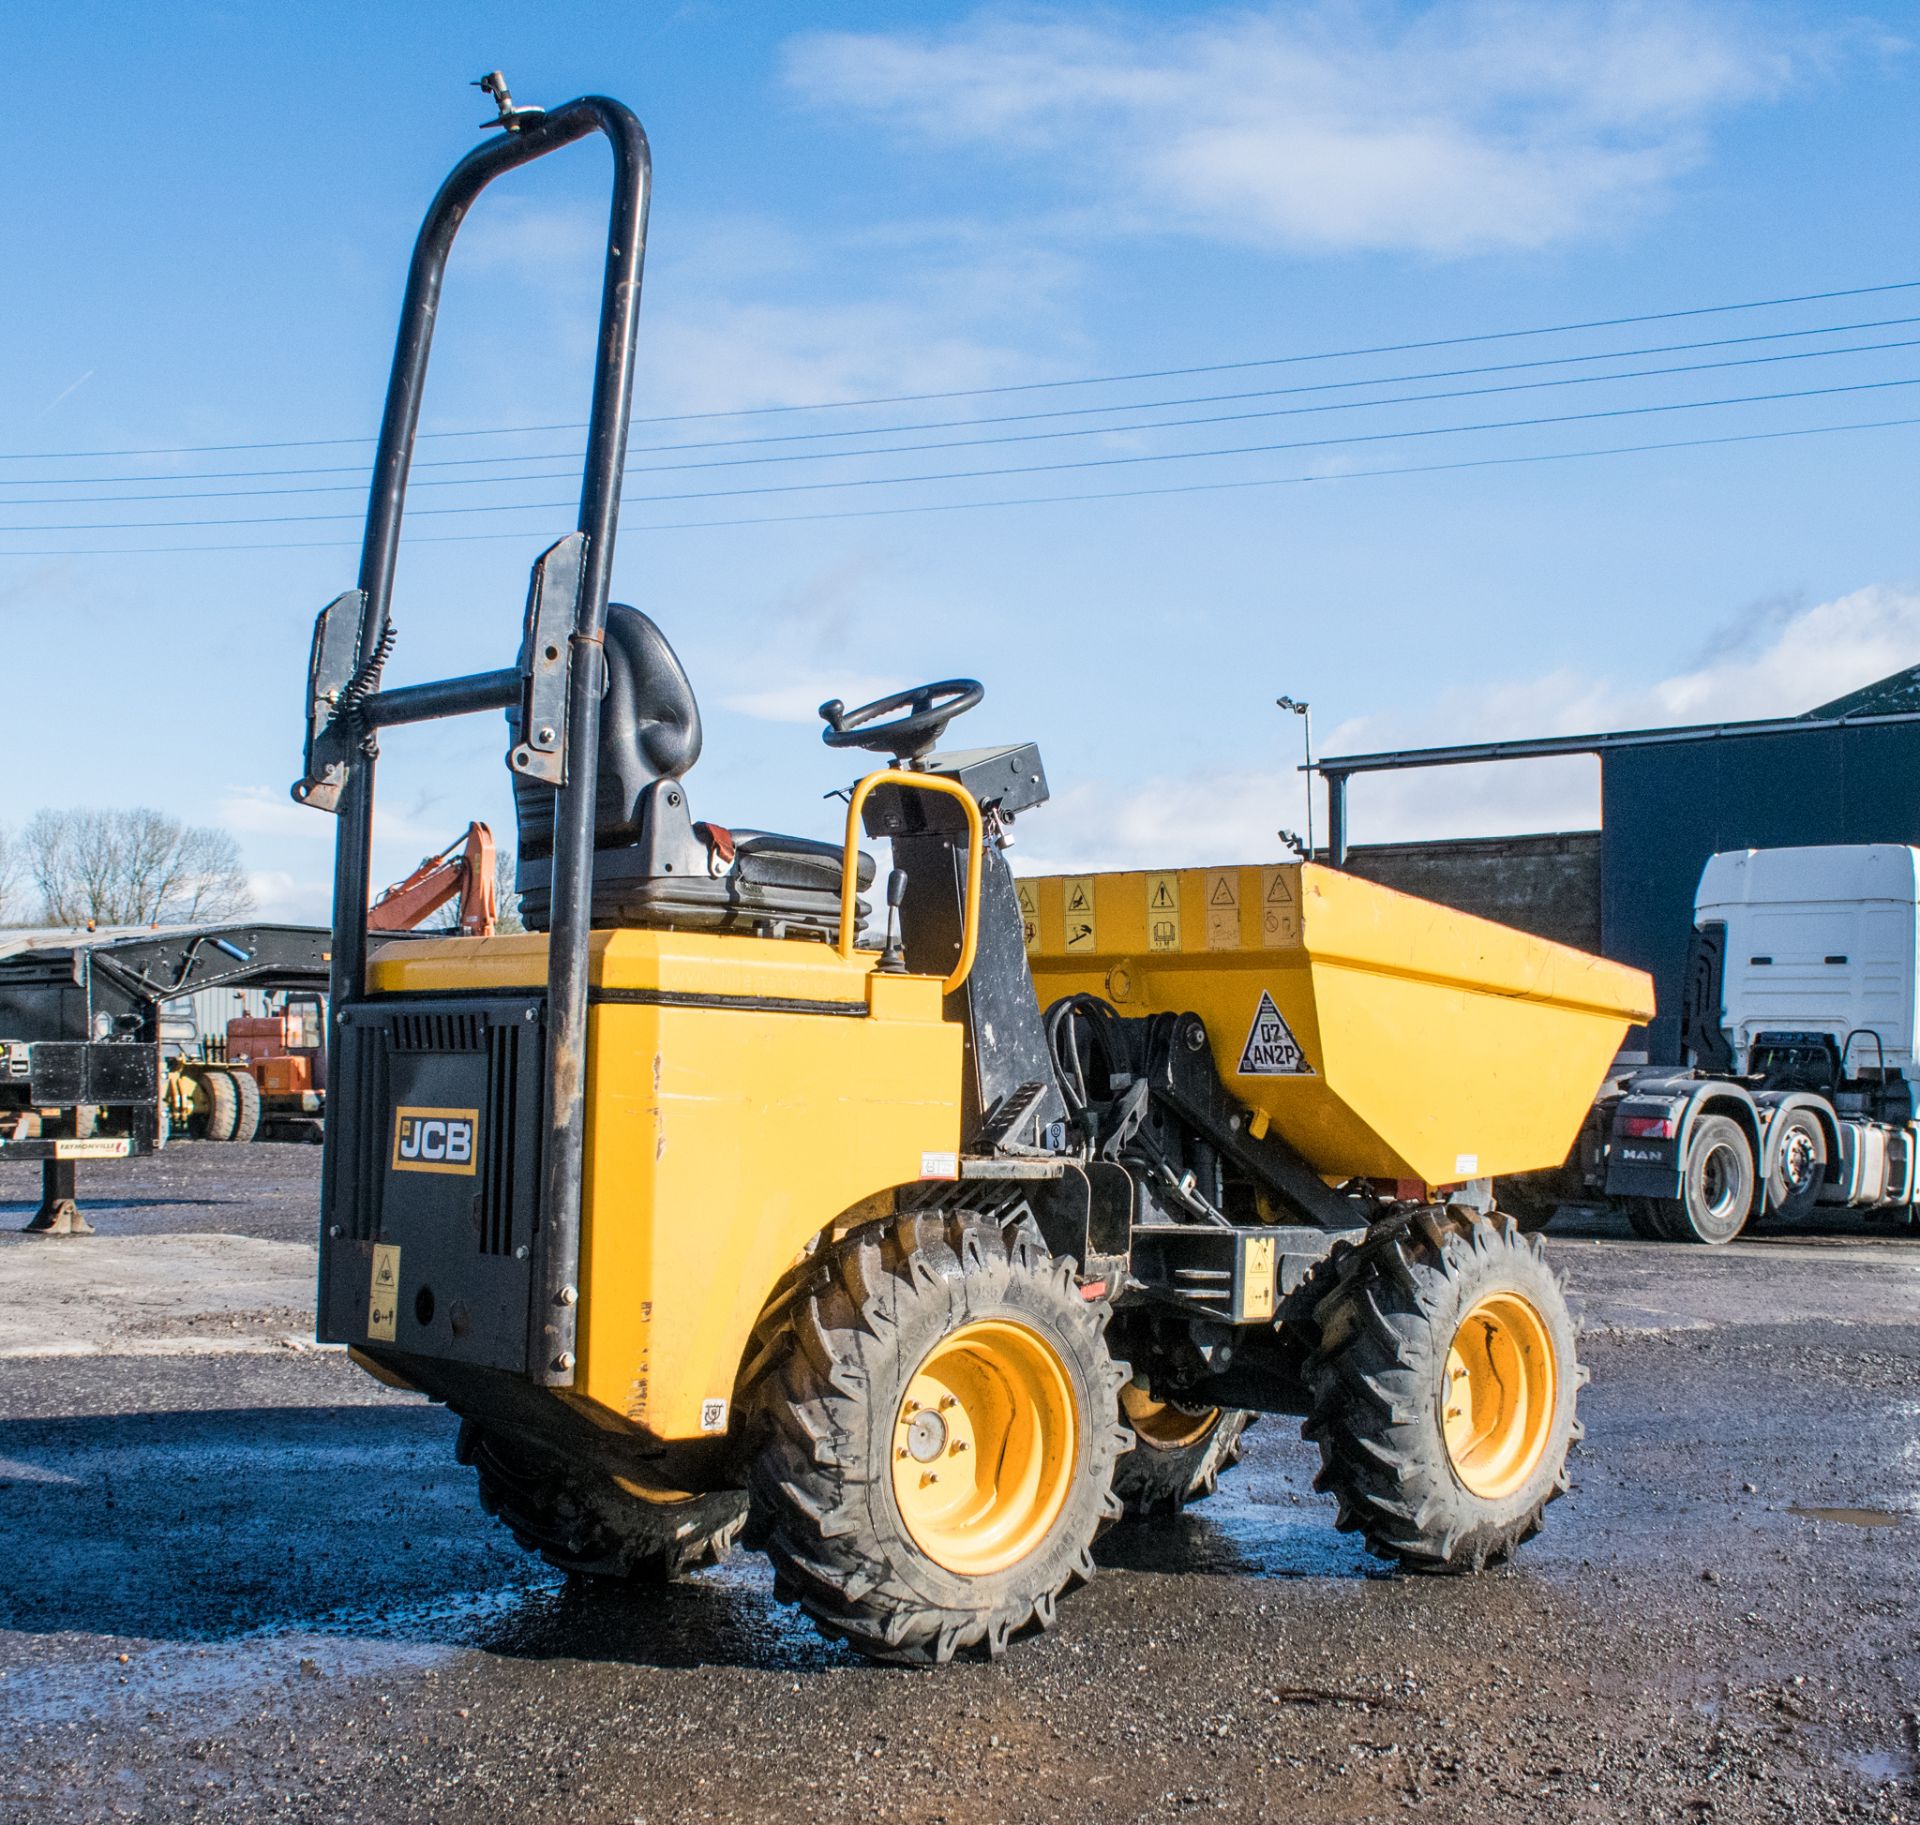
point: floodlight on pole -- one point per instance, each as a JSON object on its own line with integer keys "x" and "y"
{"x": 1304, "y": 711}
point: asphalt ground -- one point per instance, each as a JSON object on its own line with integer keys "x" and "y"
{"x": 238, "y": 1579}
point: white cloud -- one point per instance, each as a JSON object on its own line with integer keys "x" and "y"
{"x": 1459, "y": 127}
{"x": 1807, "y": 656}
{"x": 798, "y": 699}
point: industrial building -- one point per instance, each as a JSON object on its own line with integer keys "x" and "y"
{"x": 1845, "y": 772}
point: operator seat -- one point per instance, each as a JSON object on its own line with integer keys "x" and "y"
{"x": 652, "y": 865}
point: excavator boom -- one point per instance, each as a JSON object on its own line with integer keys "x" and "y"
{"x": 463, "y": 870}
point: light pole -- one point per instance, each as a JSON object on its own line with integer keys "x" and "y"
{"x": 1305, "y": 712}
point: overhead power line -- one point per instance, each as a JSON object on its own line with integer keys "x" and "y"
{"x": 472, "y": 481}
{"x": 946, "y": 424}
{"x": 1018, "y": 387}
{"x": 1101, "y": 462}
{"x": 1036, "y": 500}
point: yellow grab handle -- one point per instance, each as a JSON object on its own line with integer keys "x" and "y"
{"x": 850, "y": 861}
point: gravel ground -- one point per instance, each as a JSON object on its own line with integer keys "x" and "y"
{"x": 256, "y": 1586}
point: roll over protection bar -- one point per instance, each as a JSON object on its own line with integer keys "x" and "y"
{"x": 560, "y": 666}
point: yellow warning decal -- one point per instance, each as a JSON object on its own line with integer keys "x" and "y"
{"x": 1029, "y": 912}
{"x": 383, "y": 1294}
{"x": 1279, "y": 909}
{"x": 1256, "y": 1281}
{"x": 1077, "y": 897}
{"x": 1223, "y": 909}
{"x": 1163, "y": 912}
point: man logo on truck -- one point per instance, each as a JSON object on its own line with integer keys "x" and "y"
{"x": 435, "y": 1140}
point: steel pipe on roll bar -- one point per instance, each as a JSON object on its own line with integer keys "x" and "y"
{"x": 557, "y": 1267}
{"x": 444, "y": 697}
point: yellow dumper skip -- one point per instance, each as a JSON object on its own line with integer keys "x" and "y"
{"x": 1381, "y": 1036}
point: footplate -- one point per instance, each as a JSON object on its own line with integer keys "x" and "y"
{"x": 434, "y": 1181}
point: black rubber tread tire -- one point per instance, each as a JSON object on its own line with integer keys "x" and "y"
{"x": 1645, "y": 1218}
{"x": 1155, "y": 1479}
{"x": 823, "y": 1404}
{"x": 223, "y": 1106}
{"x": 246, "y": 1123}
{"x": 1377, "y": 1377}
{"x": 587, "y": 1524}
{"x": 1526, "y": 1203}
{"x": 1786, "y": 1204}
{"x": 1676, "y": 1215}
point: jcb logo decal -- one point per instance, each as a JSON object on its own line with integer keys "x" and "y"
{"x": 435, "y": 1140}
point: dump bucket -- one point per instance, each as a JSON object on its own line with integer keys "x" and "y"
{"x": 1380, "y": 1035}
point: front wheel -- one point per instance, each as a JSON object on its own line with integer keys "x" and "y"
{"x": 936, "y": 1432}
{"x": 1443, "y": 1389}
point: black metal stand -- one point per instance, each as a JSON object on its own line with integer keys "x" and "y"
{"x": 59, "y": 1212}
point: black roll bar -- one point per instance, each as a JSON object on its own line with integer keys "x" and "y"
{"x": 527, "y": 135}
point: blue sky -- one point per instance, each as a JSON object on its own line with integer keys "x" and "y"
{"x": 208, "y": 215}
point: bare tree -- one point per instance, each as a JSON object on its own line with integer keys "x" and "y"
{"x": 12, "y": 869}
{"x": 135, "y": 867}
{"x": 508, "y": 919}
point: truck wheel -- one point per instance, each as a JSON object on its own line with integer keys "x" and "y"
{"x": 589, "y": 1524}
{"x": 1799, "y": 1167}
{"x": 1644, "y": 1218}
{"x": 1528, "y": 1201}
{"x": 1716, "y": 1185}
{"x": 1443, "y": 1389}
{"x": 1178, "y": 1452}
{"x": 935, "y": 1438}
{"x": 215, "y": 1120}
{"x": 246, "y": 1116}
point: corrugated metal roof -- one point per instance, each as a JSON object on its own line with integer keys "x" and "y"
{"x": 1886, "y": 696}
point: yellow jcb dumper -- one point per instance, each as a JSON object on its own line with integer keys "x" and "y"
{"x": 920, "y": 1255}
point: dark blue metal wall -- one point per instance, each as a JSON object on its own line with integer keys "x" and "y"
{"x": 1666, "y": 808}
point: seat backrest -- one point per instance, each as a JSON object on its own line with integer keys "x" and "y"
{"x": 649, "y": 730}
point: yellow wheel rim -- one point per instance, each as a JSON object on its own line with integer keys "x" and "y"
{"x": 1161, "y": 1424}
{"x": 984, "y": 1447}
{"x": 1498, "y": 1403}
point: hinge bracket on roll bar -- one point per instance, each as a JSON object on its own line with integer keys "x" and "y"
{"x": 546, "y": 645}
{"x": 331, "y": 736}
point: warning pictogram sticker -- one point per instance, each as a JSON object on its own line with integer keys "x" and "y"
{"x": 1271, "y": 1049}
{"x": 1223, "y": 909}
{"x": 1029, "y": 912}
{"x": 1279, "y": 910}
{"x": 383, "y": 1293}
{"x": 1077, "y": 895}
{"x": 1163, "y": 912}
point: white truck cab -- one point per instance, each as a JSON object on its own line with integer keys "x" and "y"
{"x": 1819, "y": 940}
{"x": 1801, "y": 1021}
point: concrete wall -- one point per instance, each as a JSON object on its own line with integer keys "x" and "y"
{"x": 1547, "y": 885}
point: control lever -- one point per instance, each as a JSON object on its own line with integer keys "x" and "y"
{"x": 892, "y": 958}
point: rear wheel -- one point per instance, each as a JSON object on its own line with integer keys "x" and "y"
{"x": 1716, "y": 1185}
{"x": 1799, "y": 1167}
{"x": 246, "y": 1118}
{"x": 217, "y": 1106}
{"x": 936, "y": 1435}
{"x": 1178, "y": 1452}
{"x": 587, "y": 1522}
{"x": 1443, "y": 1389}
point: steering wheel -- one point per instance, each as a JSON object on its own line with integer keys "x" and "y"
{"x": 929, "y": 708}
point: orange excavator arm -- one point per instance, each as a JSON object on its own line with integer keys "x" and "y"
{"x": 464, "y": 869}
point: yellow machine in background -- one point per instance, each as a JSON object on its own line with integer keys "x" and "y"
{"x": 920, "y": 1239}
